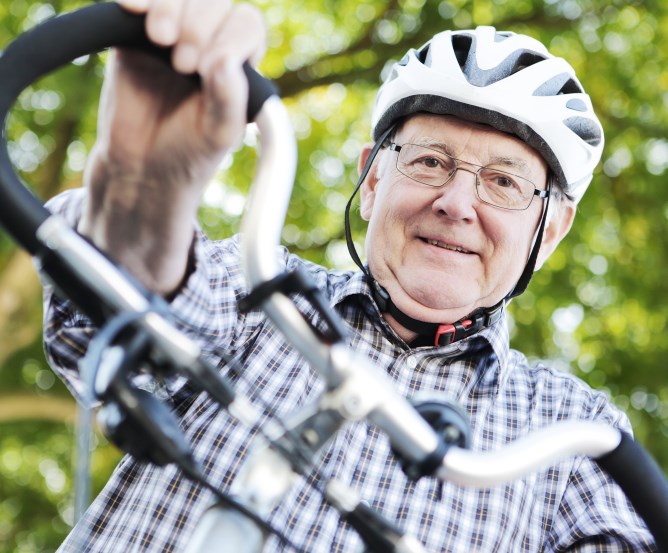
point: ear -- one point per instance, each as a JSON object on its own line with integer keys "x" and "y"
{"x": 368, "y": 188}
{"x": 558, "y": 227}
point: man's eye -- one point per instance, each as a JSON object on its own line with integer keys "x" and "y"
{"x": 430, "y": 162}
{"x": 503, "y": 181}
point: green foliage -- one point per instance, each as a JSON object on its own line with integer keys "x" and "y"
{"x": 597, "y": 308}
{"x": 36, "y": 505}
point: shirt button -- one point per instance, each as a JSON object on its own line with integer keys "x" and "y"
{"x": 411, "y": 362}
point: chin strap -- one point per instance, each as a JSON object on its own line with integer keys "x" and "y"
{"x": 365, "y": 171}
{"x": 526, "y": 275}
{"x": 444, "y": 333}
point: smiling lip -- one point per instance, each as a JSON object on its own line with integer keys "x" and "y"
{"x": 446, "y": 246}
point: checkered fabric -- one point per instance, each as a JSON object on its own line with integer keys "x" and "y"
{"x": 571, "y": 506}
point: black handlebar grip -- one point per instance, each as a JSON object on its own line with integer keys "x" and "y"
{"x": 644, "y": 484}
{"x": 49, "y": 46}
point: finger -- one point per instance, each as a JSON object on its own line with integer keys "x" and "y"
{"x": 200, "y": 21}
{"x": 242, "y": 35}
{"x": 163, "y": 21}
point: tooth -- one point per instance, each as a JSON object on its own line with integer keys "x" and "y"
{"x": 446, "y": 246}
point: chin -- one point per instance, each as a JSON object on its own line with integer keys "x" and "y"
{"x": 438, "y": 305}
{"x": 445, "y": 293}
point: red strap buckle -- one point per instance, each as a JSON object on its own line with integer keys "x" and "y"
{"x": 447, "y": 334}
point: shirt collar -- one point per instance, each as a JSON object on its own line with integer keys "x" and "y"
{"x": 495, "y": 336}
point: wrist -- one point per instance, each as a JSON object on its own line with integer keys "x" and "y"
{"x": 150, "y": 235}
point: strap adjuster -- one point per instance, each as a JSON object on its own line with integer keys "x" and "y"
{"x": 447, "y": 334}
{"x": 450, "y": 333}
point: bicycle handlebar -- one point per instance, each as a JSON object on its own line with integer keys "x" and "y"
{"x": 356, "y": 389}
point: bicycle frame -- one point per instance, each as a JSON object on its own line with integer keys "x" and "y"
{"x": 356, "y": 390}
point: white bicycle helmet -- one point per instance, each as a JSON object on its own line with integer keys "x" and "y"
{"x": 508, "y": 81}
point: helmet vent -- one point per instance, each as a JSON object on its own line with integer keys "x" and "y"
{"x": 586, "y": 129}
{"x": 562, "y": 83}
{"x": 571, "y": 87}
{"x": 524, "y": 60}
{"x": 461, "y": 44}
{"x": 423, "y": 53}
{"x": 576, "y": 104}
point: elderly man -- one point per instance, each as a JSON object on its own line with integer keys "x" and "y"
{"x": 484, "y": 143}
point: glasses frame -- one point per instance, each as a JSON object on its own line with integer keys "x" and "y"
{"x": 394, "y": 147}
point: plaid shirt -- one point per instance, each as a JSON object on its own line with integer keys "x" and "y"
{"x": 571, "y": 506}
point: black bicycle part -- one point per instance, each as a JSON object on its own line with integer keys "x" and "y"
{"x": 379, "y": 534}
{"x": 448, "y": 420}
{"x": 452, "y": 427}
{"x": 643, "y": 483}
{"x": 133, "y": 419}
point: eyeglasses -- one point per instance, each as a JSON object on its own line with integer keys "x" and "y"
{"x": 436, "y": 168}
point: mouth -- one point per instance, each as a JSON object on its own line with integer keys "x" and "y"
{"x": 446, "y": 246}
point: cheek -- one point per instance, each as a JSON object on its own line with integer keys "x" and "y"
{"x": 517, "y": 238}
{"x": 509, "y": 235}
{"x": 380, "y": 207}
{"x": 387, "y": 222}
{"x": 392, "y": 220}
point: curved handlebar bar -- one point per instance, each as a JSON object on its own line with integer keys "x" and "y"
{"x": 80, "y": 270}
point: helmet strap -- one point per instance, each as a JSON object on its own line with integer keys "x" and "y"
{"x": 444, "y": 333}
{"x": 530, "y": 267}
{"x": 365, "y": 171}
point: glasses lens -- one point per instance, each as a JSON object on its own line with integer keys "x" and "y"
{"x": 504, "y": 190}
{"x": 425, "y": 165}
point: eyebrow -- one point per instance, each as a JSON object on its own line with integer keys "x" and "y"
{"x": 506, "y": 161}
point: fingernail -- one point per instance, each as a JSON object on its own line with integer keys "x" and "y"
{"x": 186, "y": 58}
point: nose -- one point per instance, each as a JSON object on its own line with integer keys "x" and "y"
{"x": 457, "y": 199}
